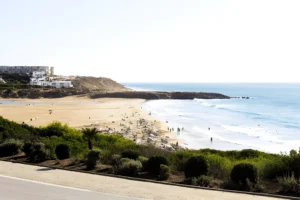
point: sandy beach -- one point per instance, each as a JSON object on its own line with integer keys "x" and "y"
{"x": 122, "y": 116}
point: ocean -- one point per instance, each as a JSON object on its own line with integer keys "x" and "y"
{"x": 269, "y": 121}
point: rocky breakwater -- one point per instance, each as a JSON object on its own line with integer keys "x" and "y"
{"x": 150, "y": 95}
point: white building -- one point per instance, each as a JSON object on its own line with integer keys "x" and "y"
{"x": 26, "y": 69}
{"x": 49, "y": 81}
{"x": 38, "y": 74}
{"x": 62, "y": 84}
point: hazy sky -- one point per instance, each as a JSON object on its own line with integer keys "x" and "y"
{"x": 155, "y": 40}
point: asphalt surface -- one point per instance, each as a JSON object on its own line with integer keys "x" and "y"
{"x": 20, "y": 189}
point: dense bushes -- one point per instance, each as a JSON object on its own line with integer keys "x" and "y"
{"x": 249, "y": 153}
{"x": 54, "y": 129}
{"x": 9, "y": 129}
{"x": 204, "y": 181}
{"x": 10, "y": 147}
{"x": 62, "y": 151}
{"x": 164, "y": 173}
{"x": 153, "y": 164}
{"x": 131, "y": 154}
{"x": 129, "y": 167}
{"x": 39, "y": 153}
{"x": 27, "y": 148}
{"x": 243, "y": 172}
{"x": 204, "y": 167}
{"x": 144, "y": 161}
{"x": 195, "y": 167}
{"x": 92, "y": 157}
{"x": 290, "y": 185}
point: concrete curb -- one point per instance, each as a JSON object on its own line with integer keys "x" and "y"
{"x": 157, "y": 182}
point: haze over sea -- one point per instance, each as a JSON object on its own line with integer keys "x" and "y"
{"x": 268, "y": 121}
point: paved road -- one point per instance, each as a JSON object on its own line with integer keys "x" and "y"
{"x": 17, "y": 189}
{"x": 21, "y": 189}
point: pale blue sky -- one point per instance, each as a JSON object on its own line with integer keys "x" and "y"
{"x": 155, "y": 41}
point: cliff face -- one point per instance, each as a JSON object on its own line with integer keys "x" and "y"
{"x": 160, "y": 95}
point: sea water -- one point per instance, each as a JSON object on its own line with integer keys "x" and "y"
{"x": 269, "y": 121}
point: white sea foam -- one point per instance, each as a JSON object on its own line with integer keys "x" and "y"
{"x": 234, "y": 124}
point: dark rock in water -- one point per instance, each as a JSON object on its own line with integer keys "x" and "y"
{"x": 240, "y": 97}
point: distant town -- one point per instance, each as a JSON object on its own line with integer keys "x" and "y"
{"x": 39, "y": 75}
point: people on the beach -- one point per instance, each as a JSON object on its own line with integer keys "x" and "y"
{"x": 211, "y": 139}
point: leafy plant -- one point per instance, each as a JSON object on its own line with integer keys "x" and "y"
{"x": 196, "y": 166}
{"x": 129, "y": 167}
{"x": 39, "y": 153}
{"x": 153, "y": 164}
{"x": 89, "y": 134}
{"x": 10, "y": 147}
{"x": 164, "y": 173}
{"x": 92, "y": 157}
{"x": 131, "y": 154}
{"x": 243, "y": 171}
{"x": 62, "y": 151}
{"x": 204, "y": 181}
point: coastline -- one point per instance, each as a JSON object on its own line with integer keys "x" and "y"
{"x": 109, "y": 115}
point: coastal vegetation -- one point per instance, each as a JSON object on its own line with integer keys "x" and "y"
{"x": 62, "y": 146}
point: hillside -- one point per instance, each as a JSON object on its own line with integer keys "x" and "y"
{"x": 17, "y": 87}
{"x": 97, "y": 84}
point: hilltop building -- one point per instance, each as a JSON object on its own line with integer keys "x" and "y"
{"x": 39, "y": 75}
{"x": 26, "y": 69}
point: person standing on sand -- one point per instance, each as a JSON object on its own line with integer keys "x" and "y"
{"x": 211, "y": 139}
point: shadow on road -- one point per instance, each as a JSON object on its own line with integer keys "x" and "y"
{"x": 45, "y": 169}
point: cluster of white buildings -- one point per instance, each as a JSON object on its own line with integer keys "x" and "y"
{"x": 39, "y": 75}
{"x": 26, "y": 69}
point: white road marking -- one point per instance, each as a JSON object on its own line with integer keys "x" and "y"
{"x": 67, "y": 187}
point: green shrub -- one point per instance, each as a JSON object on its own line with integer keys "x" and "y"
{"x": 196, "y": 166}
{"x": 9, "y": 129}
{"x": 39, "y": 153}
{"x": 249, "y": 153}
{"x": 131, "y": 154}
{"x": 92, "y": 157}
{"x": 204, "y": 181}
{"x": 294, "y": 163}
{"x": 230, "y": 185}
{"x": 129, "y": 167}
{"x": 164, "y": 173}
{"x": 144, "y": 161}
{"x": 290, "y": 185}
{"x": 54, "y": 129}
{"x": 115, "y": 160}
{"x": 62, "y": 151}
{"x": 27, "y": 148}
{"x": 275, "y": 167}
{"x": 10, "y": 147}
{"x": 219, "y": 166}
{"x": 243, "y": 171}
{"x": 153, "y": 164}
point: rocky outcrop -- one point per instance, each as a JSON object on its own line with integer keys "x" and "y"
{"x": 64, "y": 92}
{"x": 160, "y": 95}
